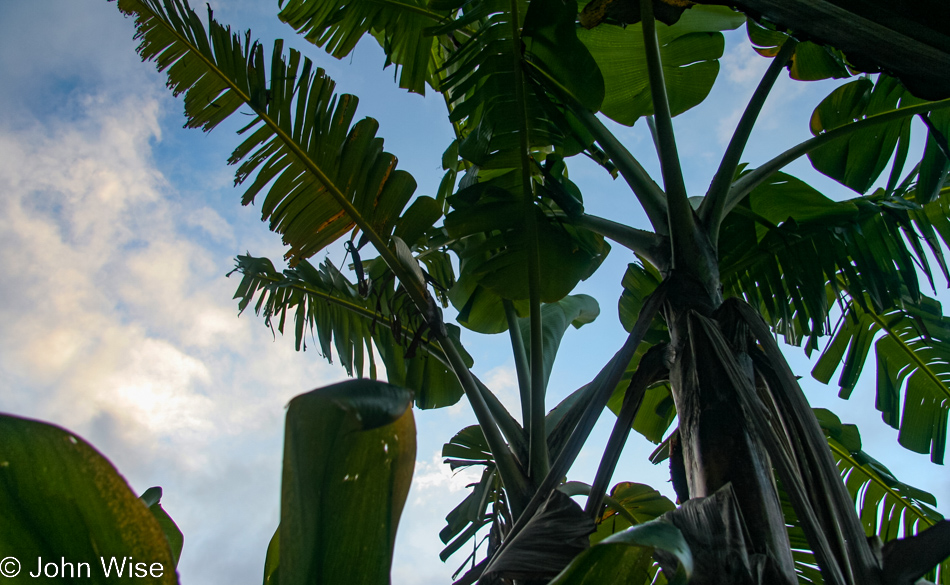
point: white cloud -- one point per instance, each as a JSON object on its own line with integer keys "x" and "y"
{"x": 433, "y": 476}
{"x": 121, "y": 327}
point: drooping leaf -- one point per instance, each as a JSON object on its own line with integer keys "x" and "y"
{"x": 322, "y": 301}
{"x": 793, "y": 253}
{"x": 323, "y": 174}
{"x": 349, "y": 453}
{"x": 61, "y": 499}
{"x": 485, "y": 504}
{"x": 690, "y": 50}
{"x": 913, "y": 359}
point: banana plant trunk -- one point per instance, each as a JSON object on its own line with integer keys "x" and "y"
{"x": 718, "y": 448}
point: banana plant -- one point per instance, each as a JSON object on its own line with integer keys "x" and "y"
{"x": 712, "y": 280}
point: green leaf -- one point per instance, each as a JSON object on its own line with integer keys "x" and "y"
{"x": 323, "y": 176}
{"x": 934, "y": 166}
{"x": 641, "y": 501}
{"x": 912, "y": 358}
{"x": 272, "y": 560}
{"x": 858, "y": 159}
{"x": 810, "y": 62}
{"x": 176, "y": 540}
{"x": 630, "y": 552}
{"x": 576, "y": 310}
{"x": 792, "y": 252}
{"x": 551, "y": 42}
{"x": 494, "y": 247}
{"x": 324, "y": 302}
{"x": 690, "y": 50}
{"x": 656, "y": 412}
{"x": 398, "y": 25}
{"x": 349, "y": 451}
{"x": 61, "y": 499}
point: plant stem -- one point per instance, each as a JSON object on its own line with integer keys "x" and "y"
{"x": 521, "y": 360}
{"x": 746, "y": 184}
{"x": 712, "y": 208}
{"x": 508, "y": 469}
{"x": 651, "y": 197}
{"x": 537, "y": 438}
{"x": 601, "y": 388}
{"x": 645, "y": 244}
{"x": 650, "y": 367}
{"x": 680, "y": 214}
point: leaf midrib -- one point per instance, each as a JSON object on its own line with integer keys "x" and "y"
{"x": 288, "y": 142}
{"x": 846, "y": 455}
{"x": 433, "y": 349}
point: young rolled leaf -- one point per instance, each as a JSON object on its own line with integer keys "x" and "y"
{"x": 349, "y": 452}
{"x": 61, "y": 499}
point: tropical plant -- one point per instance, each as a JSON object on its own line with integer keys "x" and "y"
{"x": 506, "y": 240}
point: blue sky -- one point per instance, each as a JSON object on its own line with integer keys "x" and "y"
{"x": 118, "y": 226}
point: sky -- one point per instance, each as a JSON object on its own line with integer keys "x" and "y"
{"x": 117, "y": 227}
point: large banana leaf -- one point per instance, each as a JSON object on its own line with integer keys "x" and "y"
{"x": 788, "y": 244}
{"x": 794, "y": 253}
{"x": 495, "y": 104}
{"x": 913, "y": 358}
{"x": 857, "y": 160}
{"x": 487, "y": 221}
{"x": 321, "y": 300}
{"x": 60, "y": 498}
{"x": 399, "y": 25}
{"x": 690, "y": 49}
{"x": 323, "y": 175}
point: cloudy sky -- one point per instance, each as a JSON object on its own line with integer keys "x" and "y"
{"x": 117, "y": 228}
